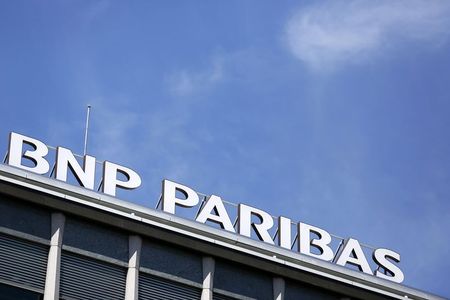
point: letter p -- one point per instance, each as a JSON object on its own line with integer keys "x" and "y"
{"x": 169, "y": 196}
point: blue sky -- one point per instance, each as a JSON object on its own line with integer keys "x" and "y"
{"x": 334, "y": 113}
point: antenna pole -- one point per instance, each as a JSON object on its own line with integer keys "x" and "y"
{"x": 87, "y": 128}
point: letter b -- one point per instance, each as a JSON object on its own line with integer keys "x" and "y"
{"x": 15, "y": 153}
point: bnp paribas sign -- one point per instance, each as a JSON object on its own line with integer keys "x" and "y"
{"x": 30, "y": 154}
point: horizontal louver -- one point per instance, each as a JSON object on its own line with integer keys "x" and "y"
{"x": 86, "y": 278}
{"x": 23, "y": 262}
{"x": 153, "y": 287}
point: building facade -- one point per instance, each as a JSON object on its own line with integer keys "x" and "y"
{"x": 59, "y": 241}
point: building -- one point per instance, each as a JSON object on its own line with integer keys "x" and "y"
{"x": 59, "y": 241}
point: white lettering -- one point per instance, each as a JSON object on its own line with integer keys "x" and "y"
{"x": 261, "y": 229}
{"x": 220, "y": 215}
{"x": 305, "y": 241}
{"x": 284, "y": 232}
{"x": 65, "y": 160}
{"x": 15, "y": 153}
{"x": 169, "y": 196}
{"x": 110, "y": 181}
{"x": 354, "y": 255}
{"x": 380, "y": 256}
{"x": 213, "y": 210}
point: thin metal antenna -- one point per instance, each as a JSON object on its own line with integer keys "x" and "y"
{"x": 87, "y": 128}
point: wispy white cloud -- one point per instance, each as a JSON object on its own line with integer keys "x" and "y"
{"x": 332, "y": 33}
{"x": 186, "y": 82}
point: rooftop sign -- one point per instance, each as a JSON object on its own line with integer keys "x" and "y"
{"x": 311, "y": 240}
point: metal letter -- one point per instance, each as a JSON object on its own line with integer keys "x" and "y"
{"x": 305, "y": 242}
{"x": 169, "y": 196}
{"x": 65, "y": 159}
{"x": 352, "y": 253}
{"x": 220, "y": 215}
{"x": 110, "y": 181}
{"x": 380, "y": 256}
{"x": 261, "y": 229}
{"x": 284, "y": 232}
{"x": 15, "y": 155}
